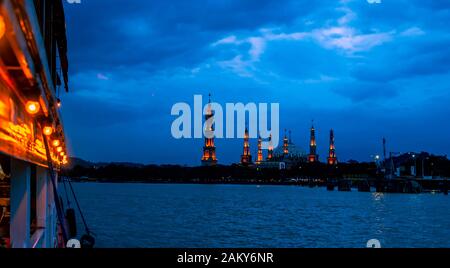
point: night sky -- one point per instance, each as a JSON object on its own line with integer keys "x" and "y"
{"x": 367, "y": 70}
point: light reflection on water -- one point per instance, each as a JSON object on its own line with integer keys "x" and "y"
{"x": 187, "y": 216}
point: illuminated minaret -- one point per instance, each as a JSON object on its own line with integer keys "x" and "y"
{"x": 270, "y": 154}
{"x": 246, "y": 158}
{"x": 260, "y": 151}
{"x": 285, "y": 144}
{"x": 332, "y": 159}
{"x": 313, "y": 157}
{"x": 209, "y": 150}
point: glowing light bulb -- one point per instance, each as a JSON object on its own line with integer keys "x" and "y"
{"x": 58, "y": 103}
{"x": 2, "y": 26}
{"x": 56, "y": 143}
{"x": 33, "y": 107}
{"x": 48, "y": 130}
{"x": 59, "y": 149}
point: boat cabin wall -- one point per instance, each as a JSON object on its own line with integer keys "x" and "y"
{"x": 27, "y": 198}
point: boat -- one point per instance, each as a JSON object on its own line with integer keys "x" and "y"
{"x": 33, "y": 74}
{"x": 412, "y": 187}
{"x": 444, "y": 187}
{"x": 364, "y": 186}
{"x": 380, "y": 186}
{"x": 330, "y": 185}
{"x": 344, "y": 186}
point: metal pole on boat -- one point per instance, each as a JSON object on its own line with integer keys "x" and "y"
{"x": 59, "y": 211}
{"x": 79, "y": 208}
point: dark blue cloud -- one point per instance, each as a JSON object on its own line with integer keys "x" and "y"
{"x": 158, "y": 34}
{"x": 366, "y": 91}
{"x": 366, "y": 70}
{"x": 406, "y": 59}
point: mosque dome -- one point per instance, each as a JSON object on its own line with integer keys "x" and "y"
{"x": 295, "y": 153}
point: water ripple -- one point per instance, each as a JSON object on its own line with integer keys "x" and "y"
{"x": 190, "y": 216}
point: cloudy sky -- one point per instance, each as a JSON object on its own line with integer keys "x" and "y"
{"x": 367, "y": 70}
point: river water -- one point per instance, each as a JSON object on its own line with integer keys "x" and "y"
{"x": 192, "y": 216}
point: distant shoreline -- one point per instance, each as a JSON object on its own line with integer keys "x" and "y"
{"x": 118, "y": 181}
{"x": 426, "y": 186}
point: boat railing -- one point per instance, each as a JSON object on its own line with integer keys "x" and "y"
{"x": 38, "y": 238}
